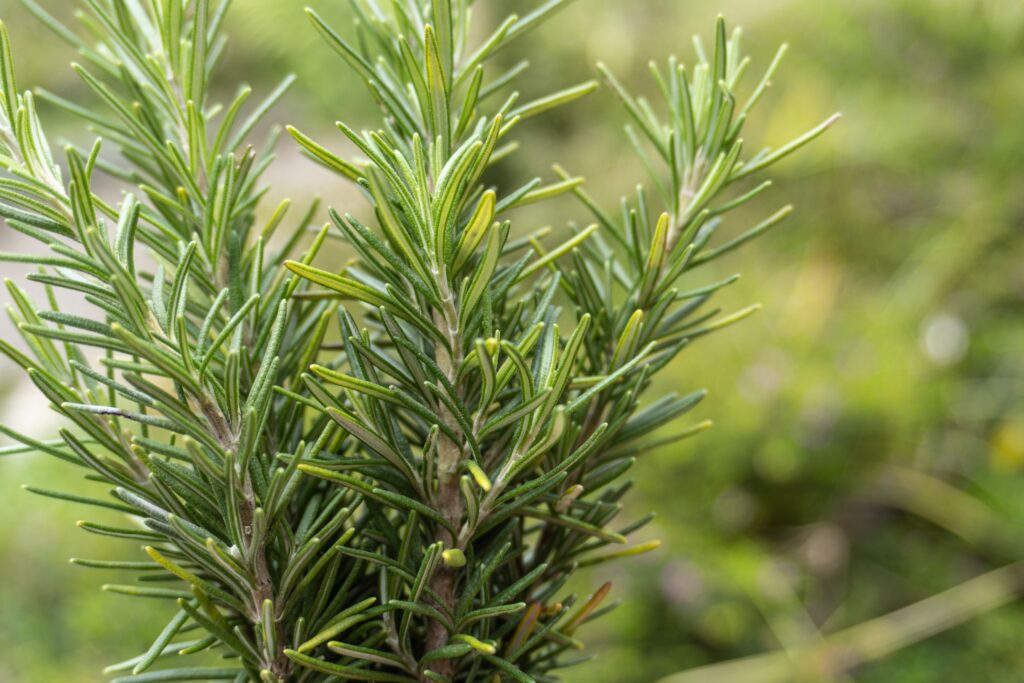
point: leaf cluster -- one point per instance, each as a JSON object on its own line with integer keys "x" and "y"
{"x": 407, "y": 504}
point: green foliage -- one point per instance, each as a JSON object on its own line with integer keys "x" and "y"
{"x": 409, "y": 504}
{"x": 794, "y": 526}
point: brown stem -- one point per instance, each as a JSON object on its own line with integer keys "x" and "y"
{"x": 263, "y": 589}
{"x": 449, "y": 502}
{"x": 449, "y": 498}
{"x": 263, "y": 586}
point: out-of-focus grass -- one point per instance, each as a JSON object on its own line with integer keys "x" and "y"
{"x": 885, "y": 366}
{"x": 831, "y": 657}
{"x": 56, "y": 624}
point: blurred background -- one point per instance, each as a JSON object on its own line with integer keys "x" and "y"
{"x": 869, "y": 442}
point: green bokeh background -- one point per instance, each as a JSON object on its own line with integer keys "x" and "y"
{"x": 889, "y": 349}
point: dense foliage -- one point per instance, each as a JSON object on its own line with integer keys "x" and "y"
{"x": 423, "y": 489}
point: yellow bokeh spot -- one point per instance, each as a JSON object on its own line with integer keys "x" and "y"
{"x": 1008, "y": 446}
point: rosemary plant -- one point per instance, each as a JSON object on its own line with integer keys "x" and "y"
{"x": 406, "y": 504}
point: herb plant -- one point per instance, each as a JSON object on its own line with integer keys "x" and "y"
{"x": 385, "y": 471}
